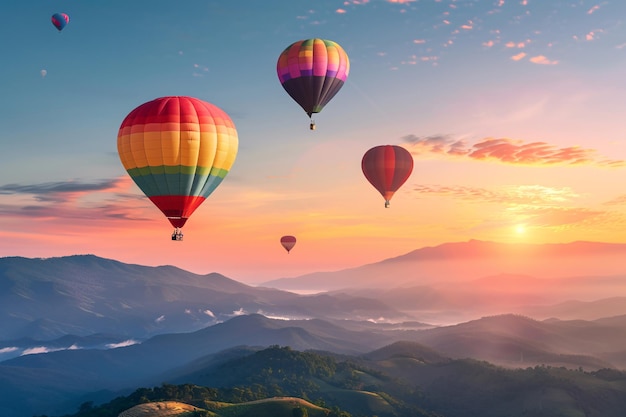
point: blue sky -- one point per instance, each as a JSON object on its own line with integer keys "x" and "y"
{"x": 424, "y": 74}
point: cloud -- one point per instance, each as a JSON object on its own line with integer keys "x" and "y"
{"x": 240, "y": 312}
{"x": 508, "y": 151}
{"x": 519, "y": 57}
{"x": 101, "y": 199}
{"x": 619, "y": 200}
{"x": 558, "y": 216}
{"x": 533, "y": 205}
{"x": 519, "y": 195}
{"x": 37, "y": 350}
{"x": 542, "y": 60}
{"x": 125, "y": 343}
{"x": 8, "y": 350}
{"x": 593, "y": 9}
{"x": 59, "y": 191}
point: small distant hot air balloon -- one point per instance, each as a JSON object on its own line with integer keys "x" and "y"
{"x": 177, "y": 150}
{"x": 60, "y": 20}
{"x": 288, "y": 242}
{"x": 387, "y": 167}
{"x": 312, "y": 71}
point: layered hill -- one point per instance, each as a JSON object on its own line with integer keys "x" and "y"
{"x": 81, "y": 295}
{"x": 467, "y": 261}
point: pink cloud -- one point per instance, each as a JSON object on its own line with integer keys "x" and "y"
{"x": 593, "y": 9}
{"x": 542, "y": 60}
{"x": 519, "y": 56}
{"x": 509, "y": 151}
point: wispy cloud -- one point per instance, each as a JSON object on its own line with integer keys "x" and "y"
{"x": 593, "y": 9}
{"x": 508, "y": 151}
{"x": 59, "y": 191}
{"x": 74, "y": 199}
{"x": 519, "y": 195}
{"x": 532, "y": 205}
{"x": 619, "y": 200}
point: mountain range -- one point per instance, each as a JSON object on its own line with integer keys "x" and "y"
{"x": 468, "y": 261}
{"x": 58, "y": 382}
{"x": 83, "y": 328}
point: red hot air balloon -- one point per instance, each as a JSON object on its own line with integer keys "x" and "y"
{"x": 387, "y": 167}
{"x": 60, "y": 20}
{"x": 177, "y": 150}
{"x": 288, "y": 242}
{"x": 312, "y": 71}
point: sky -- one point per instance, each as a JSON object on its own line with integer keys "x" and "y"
{"x": 513, "y": 111}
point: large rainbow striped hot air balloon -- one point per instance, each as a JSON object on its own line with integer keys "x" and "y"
{"x": 312, "y": 71}
{"x": 177, "y": 150}
{"x": 387, "y": 167}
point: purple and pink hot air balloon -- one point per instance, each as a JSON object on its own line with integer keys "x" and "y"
{"x": 312, "y": 71}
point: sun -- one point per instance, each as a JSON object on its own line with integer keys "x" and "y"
{"x": 520, "y": 229}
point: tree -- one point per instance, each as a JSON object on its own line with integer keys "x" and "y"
{"x": 300, "y": 412}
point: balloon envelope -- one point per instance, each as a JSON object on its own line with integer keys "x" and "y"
{"x": 177, "y": 150}
{"x": 312, "y": 71}
{"x": 288, "y": 242}
{"x": 387, "y": 167}
{"x": 60, "y": 20}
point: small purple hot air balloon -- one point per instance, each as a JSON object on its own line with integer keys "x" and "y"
{"x": 288, "y": 242}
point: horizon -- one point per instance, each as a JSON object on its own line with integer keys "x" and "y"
{"x": 510, "y": 110}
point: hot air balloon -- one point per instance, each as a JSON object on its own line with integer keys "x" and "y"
{"x": 288, "y": 242}
{"x": 60, "y": 20}
{"x": 177, "y": 150}
{"x": 387, "y": 167}
{"x": 312, "y": 71}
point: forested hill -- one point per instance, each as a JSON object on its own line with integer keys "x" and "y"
{"x": 393, "y": 383}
